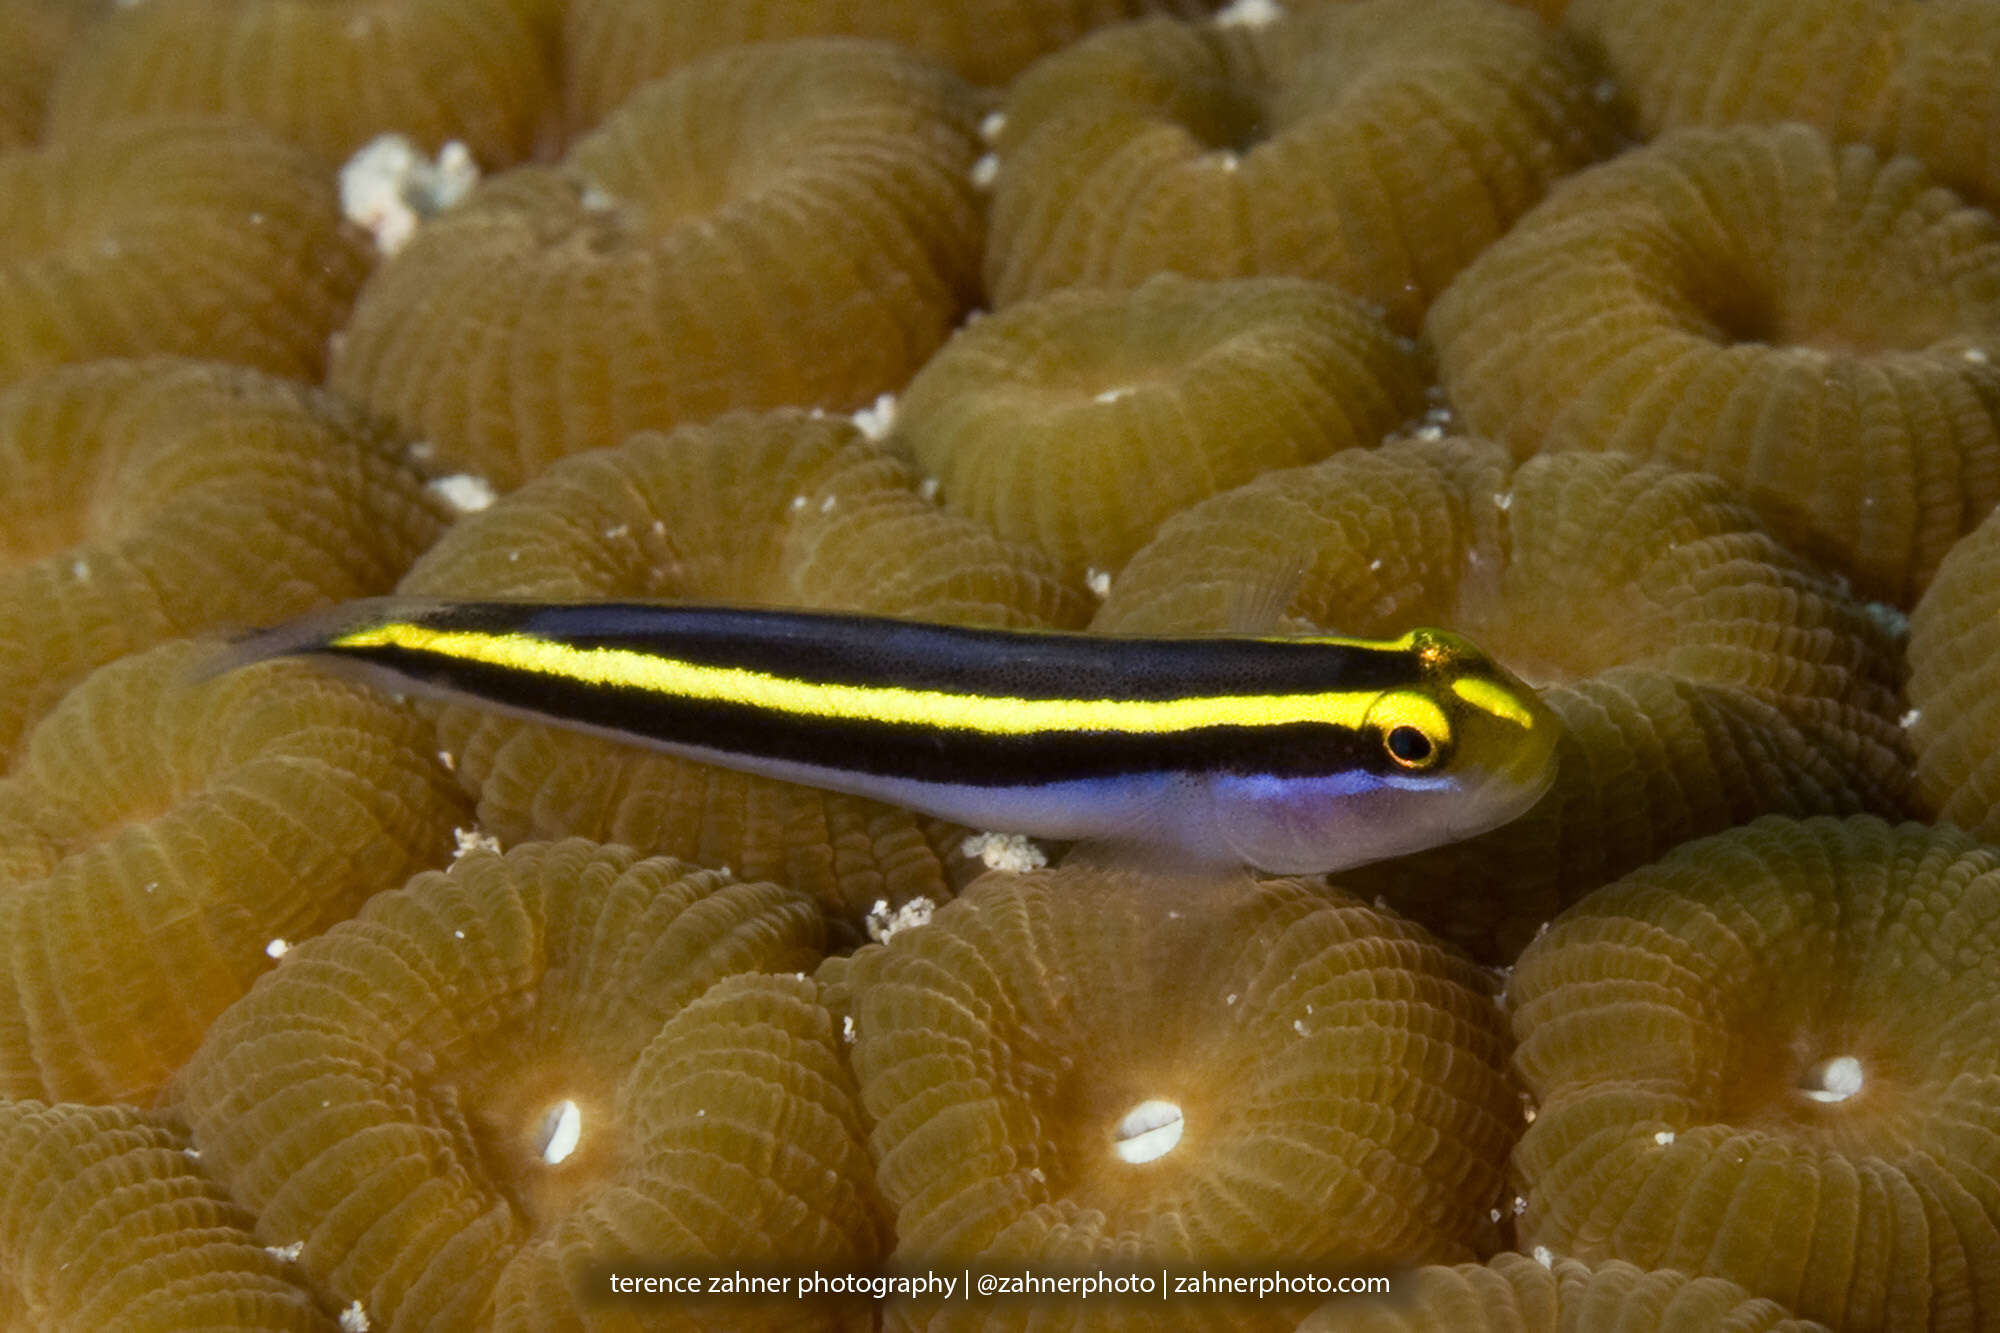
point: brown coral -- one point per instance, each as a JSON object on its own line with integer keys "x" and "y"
{"x": 197, "y": 237}
{"x": 37, "y": 33}
{"x": 1954, "y": 686}
{"x": 1703, "y": 674}
{"x": 781, "y": 508}
{"x": 106, "y": 1222}
{"x": 1901, "y": 76}
{"x": 1377, "y": 145}
{"x": 149, "y": 499}
{"x": 328, "y": 77}
{"x": 1815, "y": 324}
{"x": 498, "y": 1081}
{"x": 1084, "y": 1067}
{"x": 162, "y": 838}
{"x": 613, "y": 46}
{"x": 1515, "y": 1294}
{"x": 786, "y": 224}
{"x": 1080, "y": 419}
{"x": 1770, "y": 1057}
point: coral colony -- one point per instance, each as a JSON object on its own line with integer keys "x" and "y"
{"x": 1649, "y": 347}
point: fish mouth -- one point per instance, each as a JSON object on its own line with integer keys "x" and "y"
{"x": 1506, "y": 794}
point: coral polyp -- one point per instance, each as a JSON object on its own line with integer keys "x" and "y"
{"x": 1769, "y": 1057}
{"x": 1899, "y": 75}
{"x": 119, "y": 474}
{"x": 499, "y": 1079}
{"x": 195, "y": 237}
{"x": 108, "y": 1221}
{"x": 1817, "y": 324}
{"x": 789, "y": 224}
{"x": 1954, "y": 655}
{"x": 1377, "y": 145}
{"x": 164, "y": 838}
{"x": 1083, "y": 1067}
{"x": 1079, "y": 420}
{"x": 328, "y": 77}
{"x": 611, "y": 47}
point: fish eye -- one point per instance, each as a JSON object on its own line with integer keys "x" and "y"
{"x": 1409, "y": 746}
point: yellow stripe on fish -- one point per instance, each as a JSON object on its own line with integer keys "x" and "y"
{"x": 1296, "y": 754}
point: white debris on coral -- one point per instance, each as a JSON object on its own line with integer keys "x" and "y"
{"x": 278, "y": 948}
{"x": 473, "y": 840}
{"x": 389, "y": 187}
{"x": 1544, "y": 1257}
{"x": 1503, "y": 499}
{"x": 1114, "y": 393}
{"x": 1250, "y": 14}
{"x": 1976, "y": 355}
{"x": 354, "y": 1319}
{"x": 288, "y": 1253}
{"x": 464, "y": 492}
{"x": 874, "y": 421}
{"x": 928, "y": 489}
{"x": 847, "y": 1032}
{"x": 1099, "y": 582}
{"x": 985, "y": 171}
{"x": 1664, "y": 1137}
{"x": 1910, "y": 719}
{"x": 991, "y": 127}
{"x": 1005, "y": 851}
{"x": 883, "y": 924}
{"x": 79, "y": 569}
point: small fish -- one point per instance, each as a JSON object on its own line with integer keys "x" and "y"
{"x": 1291, "y": 755}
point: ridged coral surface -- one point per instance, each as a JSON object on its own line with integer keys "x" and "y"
{"x": 1079, "y": 420}
{"x": 499, "y": 1080}
{"x": 163, "y": 837}
{"x": 326, "y": 76}
{"x": 196, "y": 237}
{"x": 787, "y": 224}
{"x": 108, "y": 1222}
{"x": 1905, "y": 76}
{"x": 1954, "y": 686}
{"x": 1738, "y": 395}
{"x": 1084, "y": 1067}
{"x": 1818, "y": 325}
{"x": 1377, "y": 145}
{"x": 1770, "y": 1057}
{"x": 1703, "y": 673}
{"x": 613, "y": 46}
{"x": 118, "y": 476}
{"x": 1515, "y": 1294}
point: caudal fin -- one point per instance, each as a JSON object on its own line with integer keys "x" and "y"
{"x": 312, "y": 633}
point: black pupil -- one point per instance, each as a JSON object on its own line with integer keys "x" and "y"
{"x": 1408, "y": 745}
